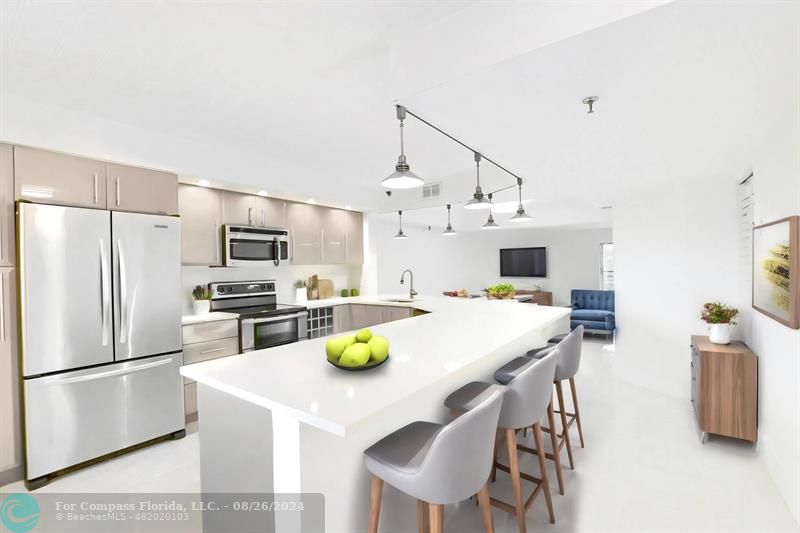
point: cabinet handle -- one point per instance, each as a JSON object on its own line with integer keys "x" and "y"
{"x": 2, "y": 308}
{"x": 95, "y": 187}
{"x": 216, "y": 242}
{"x": 322, "y": 248}
{"x": 117, "y": 191}
{"x": 263, "y": 217}
{"x": 250, "y": 215}
{"x": 346, "y": 246}
{"x": 291, "y": 244}
{"x": 212, "y": 350}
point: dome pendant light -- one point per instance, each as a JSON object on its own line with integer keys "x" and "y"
{"x": 490, "y": 223}
{"x": 449, "y": 230}
{"x": 521, "y": 215}
{"x": 478, "y": 201}
{"x": 400, "y": 234}
{"x": 402, "y": 177}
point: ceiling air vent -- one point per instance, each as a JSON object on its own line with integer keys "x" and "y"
{"x": 431, "y": 190}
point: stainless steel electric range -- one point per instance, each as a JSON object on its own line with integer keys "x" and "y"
{"x": 263, "y": 323}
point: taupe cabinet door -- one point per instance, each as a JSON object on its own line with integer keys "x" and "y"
{"x": 7, "y": 234}
{"x": 201, "y": 212}
{"x": 341, "y": 318}
{"x": 11, "y": 448}
{"x": 270, "y": 212}
{"x": 51, "y": 178}
{"x": 354, "y": 238}
{"x": 305, "y": 237}
{"x": 238, "y": 209}
{"x": 141, "y": 190}
{"x": 334, "y": 223}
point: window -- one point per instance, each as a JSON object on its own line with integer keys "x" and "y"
{"x": 607, "y": 266}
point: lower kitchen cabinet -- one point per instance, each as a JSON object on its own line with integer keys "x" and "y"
{"x": 10, "y": 434}
{"x": 360, "y": 316}
{"x": 342, "y": 318}
{"x": 202, "y": 342}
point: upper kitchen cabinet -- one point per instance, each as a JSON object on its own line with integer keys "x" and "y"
{"x": 354, "y": 238}
{"x": 7, "y": 234}
{"x": 251, "y": 210}
{"x": 141, "y": 190}
{"x": 52, "y": 178}
{"x": 333, "y": 223}
{"x": 305, "y": 237}
{"x": 201, "y": 214}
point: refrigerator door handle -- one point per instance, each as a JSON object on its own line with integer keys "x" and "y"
{"x": 123, "y": 295}
{"x": 56, "y": 380}
{"x": 105, "y": 292}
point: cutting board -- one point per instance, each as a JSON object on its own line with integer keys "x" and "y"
{"x": 325, "y": 288}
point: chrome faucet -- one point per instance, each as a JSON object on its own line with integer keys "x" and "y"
{"x": 411, "y": 291}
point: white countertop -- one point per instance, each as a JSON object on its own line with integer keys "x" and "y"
{"x": 298, "y": 380}
{"x": 207, "y": 317}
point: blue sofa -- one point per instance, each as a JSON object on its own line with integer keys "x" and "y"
{"x": 594, "y": 310}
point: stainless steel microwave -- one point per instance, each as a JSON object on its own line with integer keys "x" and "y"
{"x": 254, "y": 246}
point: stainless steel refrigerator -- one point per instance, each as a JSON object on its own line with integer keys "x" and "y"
{"x": 100, "y": 319}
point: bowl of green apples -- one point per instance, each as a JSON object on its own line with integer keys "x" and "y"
{"x": 358, "y": 351}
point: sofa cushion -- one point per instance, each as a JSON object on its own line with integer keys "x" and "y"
{"x": 595, "y": 315}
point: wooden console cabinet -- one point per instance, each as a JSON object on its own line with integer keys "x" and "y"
{"x": 537, "y": 297}
{"x": 725, "y": 388}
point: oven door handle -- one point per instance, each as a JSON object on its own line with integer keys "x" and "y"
{"x": 278, "y": 318}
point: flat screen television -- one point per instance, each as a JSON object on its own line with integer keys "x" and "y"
{"x": 523, "y": 262}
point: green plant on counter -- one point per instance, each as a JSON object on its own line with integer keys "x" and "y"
{"x": 354, "y": 292}
{"x": 500, "y": 288}
{"x": 345, "y": 293}
{"x": 717, "y": 313}
{"x": 299, "y": 284}
{"x": 200, "y": 293}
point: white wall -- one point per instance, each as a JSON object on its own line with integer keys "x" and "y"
{"x": 472, "y": 260}
{"x": 343, "y": 276}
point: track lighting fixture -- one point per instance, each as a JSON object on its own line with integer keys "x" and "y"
{"x": 478, "y": 201}
{"x": 400, "y": 234}
{"x": 449, "y": 230}
{"x": 521, "y": 215}
{"x": 490, "y": 223}
{"x": 402, "y": 177}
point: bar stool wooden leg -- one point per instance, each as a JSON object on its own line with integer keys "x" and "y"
{"x": 375, "y": 503}
{"x": 537, "y": 433}
{"x": 486, "y": 509}
{"x": 516, "y": 479}
{"x": 564, "y": 427}
{"x": 577, "y": 410}
{"x": 497, "y": 442}
{"x": 437, "y": 517}
{"x": 422, "y": 517}
{"x": 551, "y": 421}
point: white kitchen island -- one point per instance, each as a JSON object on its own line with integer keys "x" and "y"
{"x": 284, "y": 420}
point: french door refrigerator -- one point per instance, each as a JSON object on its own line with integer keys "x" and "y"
{"x": 100, "y": 325}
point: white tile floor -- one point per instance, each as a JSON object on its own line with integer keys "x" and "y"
{"x": 643, "y": 469}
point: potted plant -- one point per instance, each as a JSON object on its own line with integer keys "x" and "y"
{"x": 300, "y": 291}
{"x": 501, "y": 291}
{"x": 201, "y": 300}
{"x": 720, "y": 319}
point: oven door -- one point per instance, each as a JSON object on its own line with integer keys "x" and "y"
{"x": 260, "y": 333}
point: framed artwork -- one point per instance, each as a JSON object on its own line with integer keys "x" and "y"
{"x": 776, "y": 270}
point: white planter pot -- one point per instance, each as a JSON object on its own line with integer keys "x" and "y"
{"x": 719, "y": 333}
{"x": 301, "y": 295}
{"x": 201, "y": 307}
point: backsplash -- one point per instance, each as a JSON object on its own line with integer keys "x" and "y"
{"x": 343, "y": 277}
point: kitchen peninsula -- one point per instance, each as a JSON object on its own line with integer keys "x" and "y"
{"x": 283, "y": 420}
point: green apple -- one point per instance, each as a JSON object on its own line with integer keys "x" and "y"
{"x": 378, "y": 348}
{"x": 355, "y": 355}
{"x": 348, "y": 340}
{"x": 363, "y": 335}
{"x": 334, "y": 349}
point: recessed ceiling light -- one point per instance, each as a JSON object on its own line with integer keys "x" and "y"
{"x": 311, "y": 201}
{"x": 348, "y": 207}
{"x": 203, "y": 183}
{"x": 262, "y": 193}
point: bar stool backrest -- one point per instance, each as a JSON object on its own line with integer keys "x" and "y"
{"x": 459, "y": 460}
{"x": 528, "y": 395}
{"x": 569, "y": 354}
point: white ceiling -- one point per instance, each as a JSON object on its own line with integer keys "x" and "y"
{"x": 309, "y": 86}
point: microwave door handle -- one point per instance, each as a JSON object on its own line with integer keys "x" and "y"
{"x": 276, "y": 250}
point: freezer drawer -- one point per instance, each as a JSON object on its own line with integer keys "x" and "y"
{"x": 76, "y": 416}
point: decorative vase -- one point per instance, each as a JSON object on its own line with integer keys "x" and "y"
{"x": 301, "y": 295}
{"x": 201, "y": 307}
{"x": 719, "y": 333}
